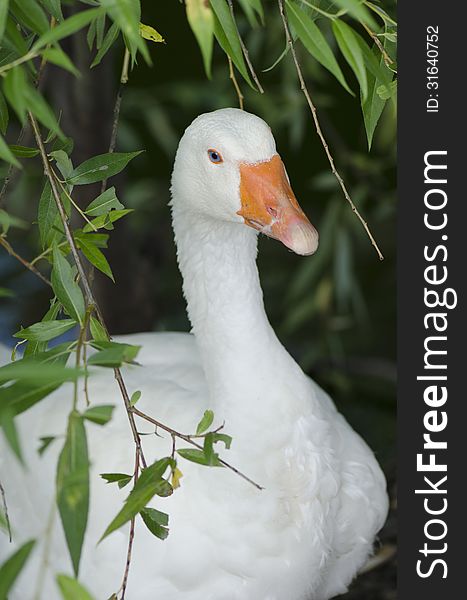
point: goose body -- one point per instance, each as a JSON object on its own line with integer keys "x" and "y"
{"x": 305, "y": 535}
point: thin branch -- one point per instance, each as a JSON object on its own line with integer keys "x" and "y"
{"x": 235, "y": 83}
{"x": 189, "y": 440}
{"x": 118, "y": 104}
{"x": 245, "y": 51}
{"x": 131, "y": 536}
{"x": 23, "y": 261}
{"x": 82, "y": 274}
{"x": 318, "y": 129}
{"x": 387, "y": 59}
{"x": 5, "y": 511}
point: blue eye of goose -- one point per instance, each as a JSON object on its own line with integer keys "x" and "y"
{"x": 215, "y": 156}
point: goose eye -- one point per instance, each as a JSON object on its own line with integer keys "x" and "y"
{"x": 215, "y": 156}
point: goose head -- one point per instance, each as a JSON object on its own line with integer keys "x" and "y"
{"x": 227, "y": 168}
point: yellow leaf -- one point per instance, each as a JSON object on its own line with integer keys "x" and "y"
{"x": 176, "y": 476}
{"x": 149, "y": 33}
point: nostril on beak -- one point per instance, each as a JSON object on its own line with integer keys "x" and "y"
{"x": 272, "y": 211}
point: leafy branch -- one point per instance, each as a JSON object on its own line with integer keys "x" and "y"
{"x": 313, "y": 110}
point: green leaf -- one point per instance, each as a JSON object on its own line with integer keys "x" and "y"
{"x": 54, "y": 8}
{"x": 6, "y": 153}
{"x": 101, "y": 167}
{"x": 314, "y": 41}
{"x": 65, "y": 287}
{"x": 147, "y": 486}
{"x": 15, "y": 87}
{"x": 127, "y": 15}
{"x": 73, "y": 487}
{"x": 35, "y": 371}
{"x": 42, "y": 111}
{"x": 156, "y": 522}
{"x": 135, "y": 397}
{"x": 106, "y": 220}
{"x": 47, "y": 214}
{"x": 99, "y": 414}
{"x": 4, "y": 117}
{"x": 199, "y": 457}
{"x": 23, "y": 151}
{"x": 12, "y": 567}
{"x": 103, "y": 203}
{"x": 36, "y": 376}
{"x": 22, "y": 395}
{"x": 384, "y": 93}
{"x": 95, "y": 256}
{"x": 3, "y": 18}
{"x": 373, "y": 105}
{"x": 6, "y": 293}
{"x": 201, "y": 20}
{"x": 45, "y": 330}
{"x": 72, "y": 589}
{"x": 63, "y": 161}
{"x": 97, "y": 331}
{"x": 249, "y": 12}
{"x": 51, "y": 315}
{"x": 113, "y": 354}
{"x": 107, "y": 43}
{"x": 350, "y": 48}
{"x": 205, "y": 422}
{"x": 9, "y": 429}
{"x": 96, "y": 239}
{"x": 358, "y": 11}
{"x": 7, "y": 221}
{"x": 121, "y": 478}
{"x": 66, "y": 28}
{"x": 226, "y": 34}
{"x": 15, "y": 39}
{"x": 222, "y": 437}
{"x": 45, "y": 443}
{"x": 57, "y": 57}
{"x": 29, "y": 13}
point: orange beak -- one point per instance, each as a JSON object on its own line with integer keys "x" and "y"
{"x": 269, "y": 205}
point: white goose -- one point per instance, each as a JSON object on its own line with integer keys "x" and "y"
{"x": 313, "y": 526}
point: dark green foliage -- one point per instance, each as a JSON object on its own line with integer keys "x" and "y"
{"x": 337, "y": 304}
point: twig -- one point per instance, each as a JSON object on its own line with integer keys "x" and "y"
{"x": 245, "y": 51}
{"x": 131, "y": 536}
{"x": 118, "y": 104}
{"x": 189, "y": 440}
{"x": 318, "y": 128}
{"x": 387, "y": 59}
{"x": 84, "y": 280}
{"x": 5, "y": 510}
{"x": 235, "y": 83}
{"x": 22, "y": 260}
{"x": 79, "y": 347}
